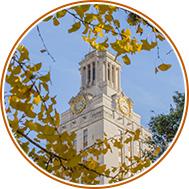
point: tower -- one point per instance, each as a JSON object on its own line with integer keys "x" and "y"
{"x": 100, "y": 73}
{"x": 101, "y": 107}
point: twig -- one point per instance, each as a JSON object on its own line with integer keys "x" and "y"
{"x": 44, "y": 45}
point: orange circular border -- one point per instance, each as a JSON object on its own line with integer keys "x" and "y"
{"x": 186, "y": 85}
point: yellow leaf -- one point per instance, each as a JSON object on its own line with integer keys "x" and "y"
{"x": 117, "y": 23}
{"x": 86, "y": 29}
{"x": 47, "y": 19}
{"x": 16, "y": 70}
{"x": 36, "y": 67}
{"x": 160, "y": 37}
{"x": 101, "y": 168}
{"x": 92, "y": 163}
{"x": 57, "y": 118}
{"x": 118, "y": 144}
{"x": 126, "y": 60}
{"x": 80, "y": 10}
{"x": 74, "y": 161}
{"x": 139, "y": 30}
{"x": 148, "y": 46}
{"x": 24, "y": 54}
{"x": 128, "y": 140}
{"x": 108, "y": 17}
{"x": 25, "y": 146}
{"x": 90, "y": 17}
{"x": 55, "y": 21}
{"x": 61, "y": 13}
{"x": 45, "y": 78}
{"x": 33, "y": 126}
{"x": 157, "y": 151}
{"x": 137, "y": 134}
{"x": 127, "y": 32}
{"x": 37, "y": 99}
{"x": 74, "y": 27}
{"x": 147, "y": 163}
{"x": 14, "y": 124}
{"x": 164, "y": 67}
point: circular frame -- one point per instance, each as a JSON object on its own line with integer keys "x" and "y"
{"x": 183, "y": 117}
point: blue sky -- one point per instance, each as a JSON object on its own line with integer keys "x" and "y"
{"x": 148, "y": 90}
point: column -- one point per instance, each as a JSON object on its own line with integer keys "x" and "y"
{"x": 91, "y": 70}
{"x": 118, "y": 76}
{"x": 113, "y": 76}
{"x": 111, "y": 83}
{"x": 106, "y": 71}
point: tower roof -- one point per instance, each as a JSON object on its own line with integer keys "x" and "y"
{"x": 97, "y": 53}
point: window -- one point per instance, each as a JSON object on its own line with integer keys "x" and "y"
{"x": 89, "y": 73}
{"x": 84, "y": 75}
{"x": 85, "y": 138}
{"x": 94, "y": 71}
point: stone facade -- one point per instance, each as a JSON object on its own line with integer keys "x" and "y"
{"x": 95, "y": 110}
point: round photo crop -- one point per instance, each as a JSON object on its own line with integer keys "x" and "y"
{"x": 94, "y": 94}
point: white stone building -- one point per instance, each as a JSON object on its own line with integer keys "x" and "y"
{"x": 101, "y": 107}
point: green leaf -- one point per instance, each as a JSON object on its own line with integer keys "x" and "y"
{"x": 164, "y": 67}
{"x": 74, "y": 27}
{"x": 126, "y": 60}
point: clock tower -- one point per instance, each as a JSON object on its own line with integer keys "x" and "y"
{"x": 101, "y": 107}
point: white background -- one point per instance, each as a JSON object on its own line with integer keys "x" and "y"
{"x": 16, "y": 172}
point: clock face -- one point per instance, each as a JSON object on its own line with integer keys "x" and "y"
{"x": 78, "y": 104}
{"x": 124, "y": 105}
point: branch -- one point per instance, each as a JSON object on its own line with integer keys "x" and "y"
{"x": 44, "y": 45}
